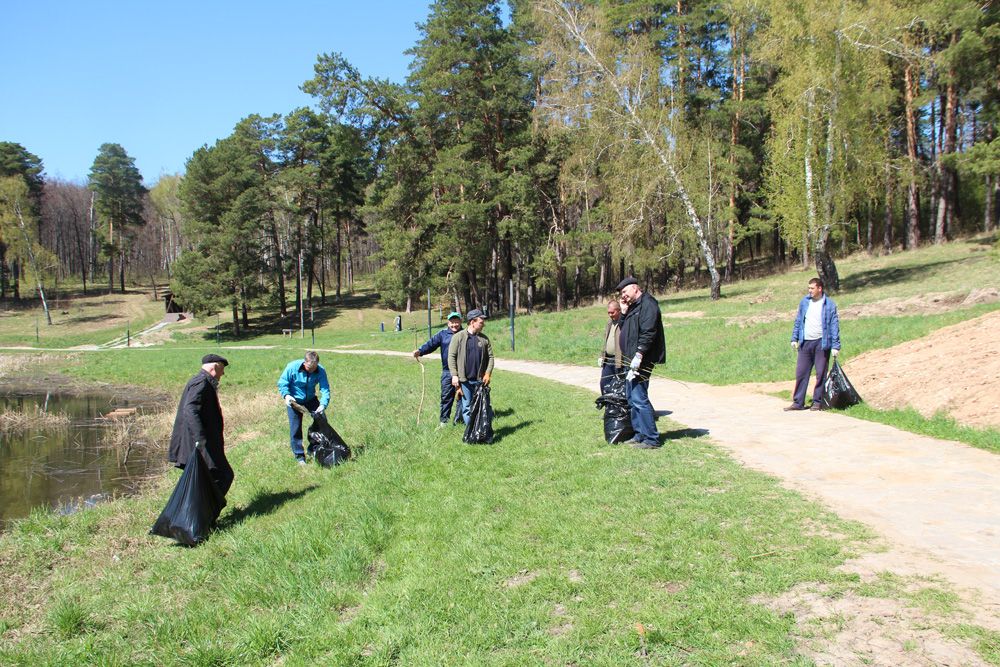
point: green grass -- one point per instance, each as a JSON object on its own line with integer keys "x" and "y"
{"x": 939, "y": 426}
{"x": 986, "y": 642}
{"x": 547, "y": 547}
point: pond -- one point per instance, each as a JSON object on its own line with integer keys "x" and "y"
{"x": 59, "y": 458}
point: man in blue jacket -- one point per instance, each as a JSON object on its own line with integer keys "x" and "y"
{"x": 442, "y": 339}
{"x": 297, "y": 384}
{"x": 816, "y": 338}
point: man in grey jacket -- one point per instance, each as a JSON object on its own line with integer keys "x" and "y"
{"x": 610, "y": 359}
{"x": 470, "y": 359}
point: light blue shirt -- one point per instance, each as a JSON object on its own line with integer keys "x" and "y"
{"x": 298, "y": 384}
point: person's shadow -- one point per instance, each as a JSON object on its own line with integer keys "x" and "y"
{"x": 502, "y": 432}
{"x": 683, "y": 433}
{"x": 261, "y": 505}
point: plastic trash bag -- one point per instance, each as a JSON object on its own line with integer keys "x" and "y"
{"x": 325, "y": 444}
{"x": 194, "y": 505}
{"x": 479, "y": 430}
{"x": 617, "y": 414}
{"x": 838, "y": 392}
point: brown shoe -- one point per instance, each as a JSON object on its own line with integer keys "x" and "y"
{"x": 793, "y": 407}
{"x": 816, "y": 406}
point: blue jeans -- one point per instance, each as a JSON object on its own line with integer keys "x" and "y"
{"x": 295, "y": 425}
{"x": 643, "y": 418}
{"x": 468, "y": 392}
{"x": 447, "y": 396}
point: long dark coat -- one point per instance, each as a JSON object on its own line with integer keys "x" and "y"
{"x": 199, "y": 420}
{"x": 642, "y": 331}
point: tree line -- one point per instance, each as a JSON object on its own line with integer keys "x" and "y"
{"x": 539, "y": 150}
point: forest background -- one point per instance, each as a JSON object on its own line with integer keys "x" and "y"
{"x": 539, "y": 150}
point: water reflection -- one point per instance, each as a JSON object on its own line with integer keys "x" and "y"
{"x": 65, "y": 466}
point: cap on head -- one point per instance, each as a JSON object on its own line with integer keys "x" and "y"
{"x": 214, "y": 359}
{"x": 474, "y": 313}
{"x": 453, "y": 314}
{"x": 626, "y": 282}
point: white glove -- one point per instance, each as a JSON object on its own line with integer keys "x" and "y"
{"x": 636, "y": 360}
{"x": 630, "y": 375}
{"x": 834, "y": 352}
{"x": 319, "y": 410}
{"x": 795, "y": 345}
{"x": 289, "y": 400}
{"x": 600, "y": 362}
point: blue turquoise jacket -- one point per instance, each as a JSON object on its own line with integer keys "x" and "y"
{"x": 298, "y": 384}
{"x": 441, "y": 339}
{"x": 831, "y": 324}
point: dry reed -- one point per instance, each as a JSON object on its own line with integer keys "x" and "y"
{"x": 12, "y": 364}
{"x": 14, "y": 421}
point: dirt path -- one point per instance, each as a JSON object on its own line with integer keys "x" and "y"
{"x": 933, "y": 498}
{"x": 937, "y": 503}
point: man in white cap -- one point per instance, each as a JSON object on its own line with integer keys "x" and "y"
{"x": 442, "y": 340}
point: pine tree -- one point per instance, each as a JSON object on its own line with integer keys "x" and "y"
{"x": 119, "y": 192}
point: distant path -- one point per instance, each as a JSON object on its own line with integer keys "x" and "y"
{"x": 937, "y": 503}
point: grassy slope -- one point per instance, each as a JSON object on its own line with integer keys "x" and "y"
{"x": 546, "y": 547}
{"x": 80, "y": 321}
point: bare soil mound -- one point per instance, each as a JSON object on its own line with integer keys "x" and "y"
{"x": 955, "y": 370}
{"x": 923, "y": 304}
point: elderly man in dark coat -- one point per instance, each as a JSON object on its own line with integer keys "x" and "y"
{"x": 642, "y": 346}
{"x": 199, "y": 422}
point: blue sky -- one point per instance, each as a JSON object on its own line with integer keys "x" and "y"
{"x": 163, "y": 79}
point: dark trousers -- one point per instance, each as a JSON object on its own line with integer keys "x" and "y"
{"x": 447, "y": 397}
{"x": 811, "y": 353}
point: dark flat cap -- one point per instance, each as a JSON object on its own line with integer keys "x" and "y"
{"x": 214, "y": 359}
{"x": 626, "y": 282}
{"x": 473, "y": 314}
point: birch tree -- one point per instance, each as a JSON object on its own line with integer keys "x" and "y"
{"x": 828, "y": 107}
{"x": 617, "y": 84}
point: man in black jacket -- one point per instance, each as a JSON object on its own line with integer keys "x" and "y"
{"x": 641, "y": 344}
{"x": 199, "y": 422}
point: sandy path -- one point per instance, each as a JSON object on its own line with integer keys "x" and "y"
{"x": 936, "y": 502}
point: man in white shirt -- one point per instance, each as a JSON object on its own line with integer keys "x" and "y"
{"x": 816, "y": 338}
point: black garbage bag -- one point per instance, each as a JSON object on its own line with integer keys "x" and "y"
{"x": 838, "y": 392}
{"x": 325, "y": 444}
{"x": 194, "y": 505}
{"x": 479, "y": 430}
{"x": 617, "y": 414}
